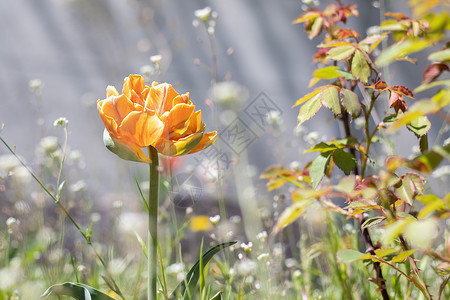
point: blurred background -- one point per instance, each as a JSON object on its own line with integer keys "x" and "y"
{"x": 70, "y": 50}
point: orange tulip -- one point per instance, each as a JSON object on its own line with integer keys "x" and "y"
{"x": 155, "y": 116}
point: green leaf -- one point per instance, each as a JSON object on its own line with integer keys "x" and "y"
{"x": 330, "y": 99}
{"x": 348, "y": 255}
{"x": 372, "y": 222}
{"x": 441, "y": 56}
{"x": 193, "y": 275}
{"x": 397, "y": 51}
{"x": 346, "y": 184}
{"x": 419, "y": 126}
{"x": 321, "y": 147}
{"x": 350, "y": 102}
{"x": 344, "y": 160}
{"x": 290, "y": 214}
{"x": 393, "y": 230}
{"x": 345, "y": 74}
{"x": 360, "y": 67}
{"x": 309, "y": 109}
{"x": 324, "y": 73}
{"x": 406, "y": 190}
{"x": 77, "y": 291}
{"x": 318, "y": 167}
{"x": 399, "y": 258}
{"x": 341, "y": 52}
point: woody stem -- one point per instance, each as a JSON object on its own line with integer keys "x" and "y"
{"x": 152, "y": 223}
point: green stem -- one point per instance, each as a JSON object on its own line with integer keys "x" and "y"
{"x": 153, "y": 223}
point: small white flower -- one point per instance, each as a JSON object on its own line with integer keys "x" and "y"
{"x": 263, "y": 256}
{"x": 156, "y": 59}
{"x": 262, "y": 236}
{"x": 63, "y": 122}
{"x": 215, "y": 220}
{"x": 203, "y": 14}
{"x": 247, "y": 247}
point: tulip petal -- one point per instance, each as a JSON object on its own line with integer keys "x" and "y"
{"x": 207, "y": 140}
{"x": 161, "y": 97}
{"x": 142, "y": 128}
{"x": 111, "y": 91}
{"x": 192, "y": 125}
{"x": 181, "y": 146}
{"x": 124, "y": 150}
{"x": 135, "y": 89}
{"x": 177, "y": 117}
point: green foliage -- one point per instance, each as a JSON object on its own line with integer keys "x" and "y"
{"x": 77, "y": 291}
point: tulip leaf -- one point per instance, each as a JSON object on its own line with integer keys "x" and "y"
{"x": 77, "y": 291}
{"x": 330, "y": 99}
{"x": 344, "y": 160}
{"x": 309, "y": 109}
{"x": 217, "y": 296}
{"x": 341, "y": 52}
{"x": 318, "y": 167}
{"x": 193, "y": 275}
{"x": 350, "y": 102}
{"x": 360, "y": 67}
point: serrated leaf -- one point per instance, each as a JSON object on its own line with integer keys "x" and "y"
{"x": 360, "y": 67}
{"x": 350, "y": 102}
{"x": 330, "y": 99}
{"x": 393, "y": 230}
{"x": 318, "y": 167}
{"x": 384, "y": 252}
{"x": 402, "y": 256}
{"x": 344, "y": 160}
{"x": 308, "y": 96}
{"x": 441, "y": 56}
{"x": 321, "y": 147}
{"x": 290, "y": 214}
{"x": 372, "y": 222}
{"x": 429, "y": 161}
{"x": 309, "y": 109}
{"x": 406, "y": 190}
{"x": 272, "y": 171}
{"x": 398, "y": 51}
{"x": 348, "y": 255}
{"x": 324, "y": 73}
{"x": 419, "y": 126}
{"x": 341, "y": 52}
{"x": 193, "y": 275}
{"x": 316, "y": 28}
{"x": 77, "y": 291}
{"x": 345, "y": 74}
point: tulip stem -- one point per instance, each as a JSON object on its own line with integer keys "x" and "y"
{"x": 152, "y": 223}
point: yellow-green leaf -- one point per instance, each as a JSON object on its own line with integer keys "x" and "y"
{"x": 360, "y": 67}
{"x": 330, "y": 99}
{"x": 350, "y": 102}
{"x": 348, "y": 255}
{"x": 402, "y": 256}
{"x": 341, "y": 52}
{"x": 309, "y": 109}
{"x": 290, "y": 214}
{"x": 398, "y": 51}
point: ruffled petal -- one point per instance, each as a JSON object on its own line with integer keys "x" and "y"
{"x": 177, "y": 117}
{"x": 111, "y": 91}
{"x": 192, "y": 125}
{"x": 181, "y": 146}
{"x": 124, "y": 150}
{"x": 134, "y": 88}
{"x": 142, "y": 128}
{"x": 161, "y": 97}
{"x": 207, "y": 140}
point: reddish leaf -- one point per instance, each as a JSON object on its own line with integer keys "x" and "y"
{"x": 433, "y": 71}
{"x": 403, "y": 90}
{"x": 396, "y": 101}
{"x": 346, "y": 33}
{"x": 398, "y": 16}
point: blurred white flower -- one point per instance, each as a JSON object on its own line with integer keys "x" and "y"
{"x": 215, "y": 220}
{"x": 246, "y": 267}
{"x": 203, "y": 14}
